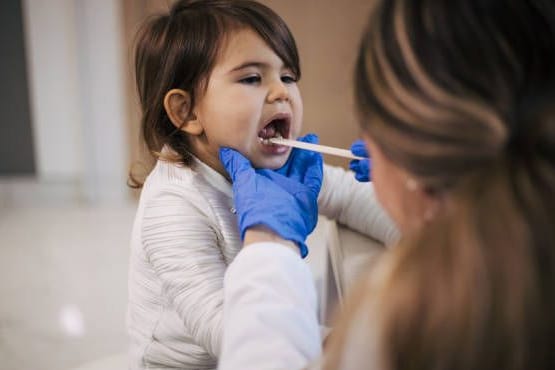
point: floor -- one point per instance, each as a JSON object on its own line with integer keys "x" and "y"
{"x": 63, "y": 276}
{"x": 63, "y": 283}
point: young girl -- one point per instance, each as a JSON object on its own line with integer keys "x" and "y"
{"x": 211, "y": 73}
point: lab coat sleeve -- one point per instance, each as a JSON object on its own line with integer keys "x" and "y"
{"x": 354, "y": 204}
{"x": 270, "y": 307}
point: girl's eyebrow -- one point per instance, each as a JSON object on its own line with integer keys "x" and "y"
{"x": 249, "y": 64}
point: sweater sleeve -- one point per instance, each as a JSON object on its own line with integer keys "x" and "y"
{"x": 180, "y": 242}
{"x": 354, "y": 204}
{"x": 270, "y": 319}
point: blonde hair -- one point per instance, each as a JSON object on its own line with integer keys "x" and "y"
{"x": 462, "y": 95}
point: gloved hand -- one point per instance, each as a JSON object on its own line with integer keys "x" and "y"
{"x": 296, "y": 161}
{"x": 361, "y": 167}
{"x": 285, "y": 203}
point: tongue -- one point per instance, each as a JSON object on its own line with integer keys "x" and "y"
{"x": 267, "y": 132}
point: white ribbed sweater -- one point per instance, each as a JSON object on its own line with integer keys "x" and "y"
{"x": 184, "y": 236}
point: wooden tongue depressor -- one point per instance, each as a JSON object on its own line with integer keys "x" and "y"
{"x": 315, "y": 147}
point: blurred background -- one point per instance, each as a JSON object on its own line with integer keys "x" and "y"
{"x": 68, "y": 135}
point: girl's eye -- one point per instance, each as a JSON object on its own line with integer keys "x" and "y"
{"x": 250, "y": 80}
{"x": 288, "y": 79}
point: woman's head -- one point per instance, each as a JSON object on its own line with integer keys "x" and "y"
{"x": 457, "y": 103}
{"x": 176, "y": 55}
{"x": 446, "y": 89}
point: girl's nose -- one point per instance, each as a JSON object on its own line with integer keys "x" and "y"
{"x": 278, "y": 92}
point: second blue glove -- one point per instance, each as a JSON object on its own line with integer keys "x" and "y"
{"x": 361, "y": 167}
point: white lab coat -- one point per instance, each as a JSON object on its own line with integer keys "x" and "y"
{"x": 270, "y": 311}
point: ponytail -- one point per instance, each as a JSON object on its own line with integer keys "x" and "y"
{"x": 461, "y": 95}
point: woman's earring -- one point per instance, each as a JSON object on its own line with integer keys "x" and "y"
{"x": 429, "y": 214}
{"x": 412, "y": 184}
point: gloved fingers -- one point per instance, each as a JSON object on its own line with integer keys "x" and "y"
{"x": 359, "y": 148}
{"x": 302, "y": 162}
{"x": 361, "y": 168}
{"x": 361, "y": 178}
{"x": 234, "y": 163}
{"x": 296, "y": 156}
{"x": 300, "y": 158}
{"x": 353, "y": 165}
{"x": 366, "y": 168}
{"x": 306, "y": 169}
{"x": 360, "y": 165}
{"x": 314, "y": 173}
{"x": 309, "y": 138}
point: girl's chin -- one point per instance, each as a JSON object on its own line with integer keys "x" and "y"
{"x": 270, "y": 164}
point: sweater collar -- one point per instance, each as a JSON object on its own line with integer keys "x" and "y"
{"x": 214, "y": 178}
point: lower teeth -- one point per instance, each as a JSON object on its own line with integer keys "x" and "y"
{"x": 267, "y": 140}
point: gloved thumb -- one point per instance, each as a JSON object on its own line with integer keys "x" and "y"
{"x": 309, "y": 138}
{"x": 234, "y": 162}
{"x": 302, "y": 159}
{"x": 362, "y": 169}
{"x": 315, "y": 173}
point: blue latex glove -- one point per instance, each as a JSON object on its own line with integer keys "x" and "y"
{"x": 298, "y": 156}
{"x": 285, "y": 203}
{"x": 361, "y": 167}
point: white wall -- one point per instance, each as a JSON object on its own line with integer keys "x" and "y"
{"x": 50, "y": 30}
{"x": 103, "y": 106}
{"x": 74, "y": 51}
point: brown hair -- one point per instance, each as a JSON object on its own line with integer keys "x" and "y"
{"x": 179, "y": 49}
{"x": 461, "y": 94}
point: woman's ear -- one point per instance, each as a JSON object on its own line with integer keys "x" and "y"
{"x": 177, "y": 104}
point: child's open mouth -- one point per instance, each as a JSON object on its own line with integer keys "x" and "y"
{"x": 277, "y": 128}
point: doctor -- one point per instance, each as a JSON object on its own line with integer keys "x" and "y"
{"x": 457, "y": 108}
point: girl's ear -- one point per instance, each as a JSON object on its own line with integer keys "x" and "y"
{"x": 177, "y": 104}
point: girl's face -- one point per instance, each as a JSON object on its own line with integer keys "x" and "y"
{"x": 250, "y": 95}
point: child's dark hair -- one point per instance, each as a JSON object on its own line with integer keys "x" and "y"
{"x": 178, "y": 51}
